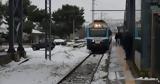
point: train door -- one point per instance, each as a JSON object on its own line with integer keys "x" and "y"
{"x": 155, "y": 44}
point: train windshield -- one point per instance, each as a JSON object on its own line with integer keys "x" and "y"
{"x": 97, "y": 32}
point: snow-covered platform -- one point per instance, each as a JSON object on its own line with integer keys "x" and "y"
{"x": 119, "y": 71}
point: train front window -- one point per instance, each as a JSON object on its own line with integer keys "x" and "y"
{"x": 97, "y": 33}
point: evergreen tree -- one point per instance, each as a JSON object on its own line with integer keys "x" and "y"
{"x": 28, "y": 26}
{"x": 3, "y": 8}
{"x": 64, "y": 18}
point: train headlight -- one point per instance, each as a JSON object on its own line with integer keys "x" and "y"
{"x": 97, "y": 25}
{"x": 93, "y": 40}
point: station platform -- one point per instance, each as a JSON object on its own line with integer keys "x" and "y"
{"x": 119, "y": 70}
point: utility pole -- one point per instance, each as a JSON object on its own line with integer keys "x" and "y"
{"x": 73, "y": 29}
{"x": 11, "y": 50}
{"x": 16, "y": 29}
{"x": 48, "y": 30}
{"x": 20, "y": 49}
{"x": 101, "y": 15}
{"x": 93, "y": 3}
{"x": 73, "y": 23}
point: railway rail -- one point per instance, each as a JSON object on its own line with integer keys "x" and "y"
{"x": 84, "y": 72}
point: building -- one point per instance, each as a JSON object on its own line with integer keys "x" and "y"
{"x": 37, "y": 36}
{"x": 147, "y": 36}
{"x": 3, "y": 26}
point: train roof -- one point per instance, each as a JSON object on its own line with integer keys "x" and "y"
{"x": 99, "y": 23}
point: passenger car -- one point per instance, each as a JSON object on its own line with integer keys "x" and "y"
{"x": 40, "y": 45}
{"x": 60, "y": 42}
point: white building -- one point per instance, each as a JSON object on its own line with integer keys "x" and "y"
{"x": 3, "y": 26}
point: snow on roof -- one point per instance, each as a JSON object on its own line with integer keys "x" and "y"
{"x": 3, "y": 28}
{"x": 3, "y": 20}
{"x": 36, "y": 31}
{"x": 37, "y": 25}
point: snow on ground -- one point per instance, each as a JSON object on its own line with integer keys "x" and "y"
{"x": 148, "y": 79}
{"x": 101, "y": 74}
{"x": 40, "y": 71}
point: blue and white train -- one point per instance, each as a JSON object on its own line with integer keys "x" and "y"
{"x": 97, "y": 36}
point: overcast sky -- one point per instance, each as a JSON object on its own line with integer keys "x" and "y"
{"x": 87, "y": 5}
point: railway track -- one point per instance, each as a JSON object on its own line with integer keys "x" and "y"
{"x": 84, "y": 72}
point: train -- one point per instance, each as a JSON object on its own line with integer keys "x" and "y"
{"x": 97, "y": 36}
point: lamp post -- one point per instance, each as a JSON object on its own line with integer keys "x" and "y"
{"x": 93, "y": 3}
{"x": 73, "y": 29}
{"x": 16, "y": 29}
{"x": 48, "y": 31}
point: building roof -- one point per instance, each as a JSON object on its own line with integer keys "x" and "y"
{"x": 36, "y": 31}
{"x": 3, "y": 28}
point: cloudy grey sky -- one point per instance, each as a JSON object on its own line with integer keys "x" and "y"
{"x": 87, "y": 5}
